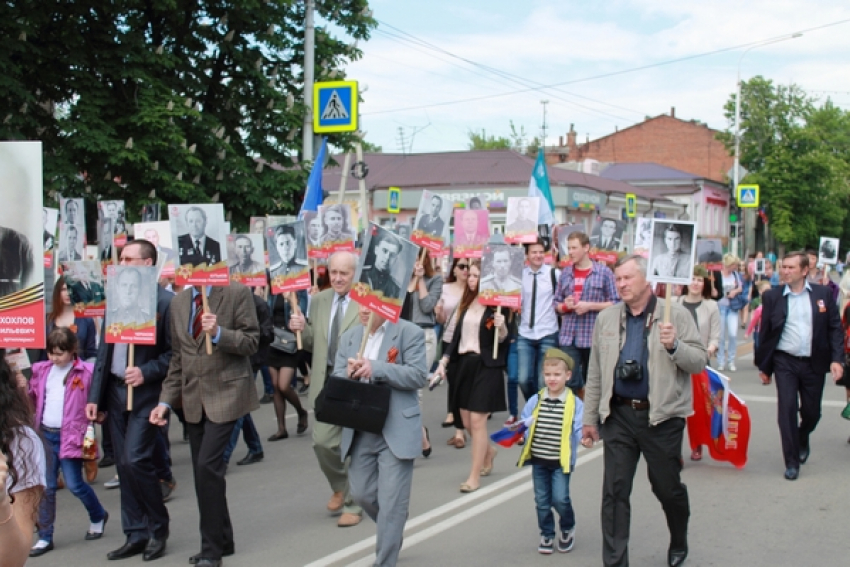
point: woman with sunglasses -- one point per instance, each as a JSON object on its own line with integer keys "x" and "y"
{"x": 453, "y": 288}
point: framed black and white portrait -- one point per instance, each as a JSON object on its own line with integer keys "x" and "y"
{"x": 607, "y": 234}
{"x": 671, "y": 258}
{"x": 199, "y": 233}
{"x": 828, "y": 251}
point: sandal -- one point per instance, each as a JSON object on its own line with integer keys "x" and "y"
{"x": 467, "y": 488}
{"x": 485, "y": 471}
{"x": 696, "y": 455}
{"x": 278, "y": 436}
{"x": 302, "y": 423}
{"x": 460, "y": 442}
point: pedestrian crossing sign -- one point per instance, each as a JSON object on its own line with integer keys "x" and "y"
{"x": 748, "y": 196}
{"x": 335, "y": 106}
{"x": 631, "y": 205}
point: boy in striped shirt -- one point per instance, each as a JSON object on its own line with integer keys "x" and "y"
{"x": 553, "y": 417}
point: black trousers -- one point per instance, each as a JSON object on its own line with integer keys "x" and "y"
{"x": 796, "y": 379}
{"x": 207, "y": 441}
{"x": 451, "y": 400}
{"x": 627, "y": 435}
{"x": 143, "y": 514}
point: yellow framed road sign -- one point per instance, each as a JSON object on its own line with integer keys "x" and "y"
{"x": 748, "y": 196}
{"x": 335, "y": 106}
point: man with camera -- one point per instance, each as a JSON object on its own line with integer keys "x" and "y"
{"x": 638, "y": 387}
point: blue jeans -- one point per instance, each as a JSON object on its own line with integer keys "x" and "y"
{"x": 728, "y": 336}
{"x": 531, "y": 354}
{"x": 252, "y": 438}
{"x": 72, "y": 470}
{"x": 552, "y": 490}
{"x": 268, "y": 387}
{"x": 513, "y": 377}
{"x": 581, "y": 360}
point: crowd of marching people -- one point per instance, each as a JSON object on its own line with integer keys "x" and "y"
{"x": 596, "y": 351}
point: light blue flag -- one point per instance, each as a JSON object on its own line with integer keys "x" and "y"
{"x": 539, "y": 187}
{"x": 313, "y": 196}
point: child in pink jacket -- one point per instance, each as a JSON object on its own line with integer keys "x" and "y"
{"x": 59, "y": 390}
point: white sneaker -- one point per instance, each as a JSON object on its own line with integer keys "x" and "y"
{"x": 732, "y": 367}
{"x": 114, "y": 482}
{"x": 721, "y": 367}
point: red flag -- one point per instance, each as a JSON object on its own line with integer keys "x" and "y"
{"x": 721, "y": 420}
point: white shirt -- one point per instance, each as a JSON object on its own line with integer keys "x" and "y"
{"x": 373, "y": 345}
{"x": 333, "y": 310}
{"x": 545, "y": 319}
{"x": 796, "y": 336}
{"x": 54, "y": 396}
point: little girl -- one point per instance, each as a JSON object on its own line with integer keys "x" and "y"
{"x": 59, "y": 390}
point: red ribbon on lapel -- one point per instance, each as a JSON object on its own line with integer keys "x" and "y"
{"x": 490, "y": 323}
{"x": 77, "y": 382}
{"x": 392, "y": 354}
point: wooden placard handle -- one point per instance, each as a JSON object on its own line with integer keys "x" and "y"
{"x": 207, "y": 338}
{"x": 668, "y": 296}
{"x": 365, "y": 335}
{"x": 131, "y": 354}
{"x": 496, "y": 338}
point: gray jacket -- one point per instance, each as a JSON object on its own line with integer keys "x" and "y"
{"x": 669, "y": 375}
{"x": 422, "y": 310}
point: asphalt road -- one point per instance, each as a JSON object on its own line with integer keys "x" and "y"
{"x": 738, "y": 517}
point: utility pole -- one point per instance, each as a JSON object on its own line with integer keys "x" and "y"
{"x": 309, "y": 75}
{"x": 544, "y": 127}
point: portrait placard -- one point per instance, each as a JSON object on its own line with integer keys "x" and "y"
{"x": 288, "y": 269}
{"x": 313, "y": 231}
{"x": 50, "y": 217}
{"x": 131, "y": 297}
{"x": 85, "y": 286}
{"x": 522, "y": 215}
{"x": 21, "y": 232}
{"x": 471, "y": 232}
{"x": 158, "y": 233}
{"x": 828, "y": 251}
{"x": 759, "y": 267}
{"x": 431, "y": 226}
{"x": 671, "y": 258}
{"x": 643, "y": 236}
{"x": 606, "y": 239}
{"x": 478, "y": 202}
{"x": 710, "y": 253}
{"x": 501, "y": 276}
{"x": 404, "y": 230}
{"x": 383, "y": 272}
{"x": 338, "y": 233}
{"x": 17, "y": 359}
{"x": 198, "y": 232}
{"x": 245, "y": 259}
{"x": 111, "y": 227}
{"x": 72, "y": 230}
{"x": 258, "y": 226}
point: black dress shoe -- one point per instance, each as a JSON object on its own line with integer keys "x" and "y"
{"x": 209, "y": 563}
{"x": 195, "y": 558}
{"x": 41, "y": 550}
{"x": 129, "y": 549}
{"x": 155, "y": 549}
{"x": 106, "y": 461}
{"x": 97, "y": 535}
{"x": 791, "y": 473}
{"x": 251, "y": 458}
{"x": 676, "y": 557}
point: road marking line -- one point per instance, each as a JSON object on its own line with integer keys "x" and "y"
{"x": 461, "y": 502}
{"x": 772, "y": 399}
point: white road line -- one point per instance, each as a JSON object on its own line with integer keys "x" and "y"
{"x": 772, "y": 400}
{"x": 462, "y": 502}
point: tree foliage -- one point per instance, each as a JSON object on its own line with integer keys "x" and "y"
{"x": 513, "y": 141}
{"x": 186, "y": 98}
{"x": 798, "y": 152}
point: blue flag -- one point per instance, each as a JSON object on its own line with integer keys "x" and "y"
{"x": 539, "y": 187}
{"x": 313, "y": 195}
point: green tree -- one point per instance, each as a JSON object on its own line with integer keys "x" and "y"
{"x": 189, "y": 99}
{"x": 514, "y": 141}
{"x": 799, "y": 155}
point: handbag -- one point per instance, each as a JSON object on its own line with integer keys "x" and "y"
{"x": 284, "y": 341}
{"x": 350, "y": 403}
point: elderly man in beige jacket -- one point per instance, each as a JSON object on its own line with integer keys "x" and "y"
{"x": 638, "y": 388}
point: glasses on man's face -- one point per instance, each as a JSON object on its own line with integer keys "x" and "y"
{"x": 129, "y": 259}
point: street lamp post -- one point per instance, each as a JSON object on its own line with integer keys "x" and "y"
{"x": 748, "y": 214}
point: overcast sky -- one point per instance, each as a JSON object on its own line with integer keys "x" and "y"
{"x": 434, "y": 69}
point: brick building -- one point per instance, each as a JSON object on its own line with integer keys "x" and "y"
{"x": 686, "y": 145}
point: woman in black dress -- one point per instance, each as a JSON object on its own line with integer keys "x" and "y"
{"x": 282, "y": 367}
{"x": 480, "y": 376}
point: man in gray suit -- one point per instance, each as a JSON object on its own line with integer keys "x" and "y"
{"x": 321, "y": 337}
{"x": 381, "y": 467}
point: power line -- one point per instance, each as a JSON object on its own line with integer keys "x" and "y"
{"x": 605, "y": 75}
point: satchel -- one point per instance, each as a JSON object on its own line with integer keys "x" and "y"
{"x": 284, "y": 341}
{"x": 350, "y": 403}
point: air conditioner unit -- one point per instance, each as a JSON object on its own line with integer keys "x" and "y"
{"x": 590, "y": 166}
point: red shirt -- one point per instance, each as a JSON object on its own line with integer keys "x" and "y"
{"x": 580, "y": 276}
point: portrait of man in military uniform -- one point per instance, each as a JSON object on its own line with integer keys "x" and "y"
{"x": 130, "y": 301}
{"x": 672, "y": 256}
{"x": 501, "y": 274}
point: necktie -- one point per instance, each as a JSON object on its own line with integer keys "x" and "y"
{"x": 198, "y": 247}
{"x": 333, "y": 340}
{"x": 196, "y": 320}
{"x": 533, "y": 301}
{"x": 119, "y": 360}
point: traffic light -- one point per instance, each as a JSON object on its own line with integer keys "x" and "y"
{"x": 734, "y": 212}
{"x": 733, "y": 232}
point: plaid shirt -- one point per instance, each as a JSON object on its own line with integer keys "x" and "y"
{"x": 598, "y": 287}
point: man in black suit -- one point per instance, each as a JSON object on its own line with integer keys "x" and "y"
{"x": 800, "y": 340}
{"x": 144, "y": 517}
{"x": 83, "y": 290}
{"x": 196, "y": 247}
{"x": 379, "y": 275}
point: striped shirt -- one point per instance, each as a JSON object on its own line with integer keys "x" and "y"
{"x": 546, "y": 443}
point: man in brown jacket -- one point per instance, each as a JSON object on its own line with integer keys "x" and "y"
{"x": 215, "y": 391}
